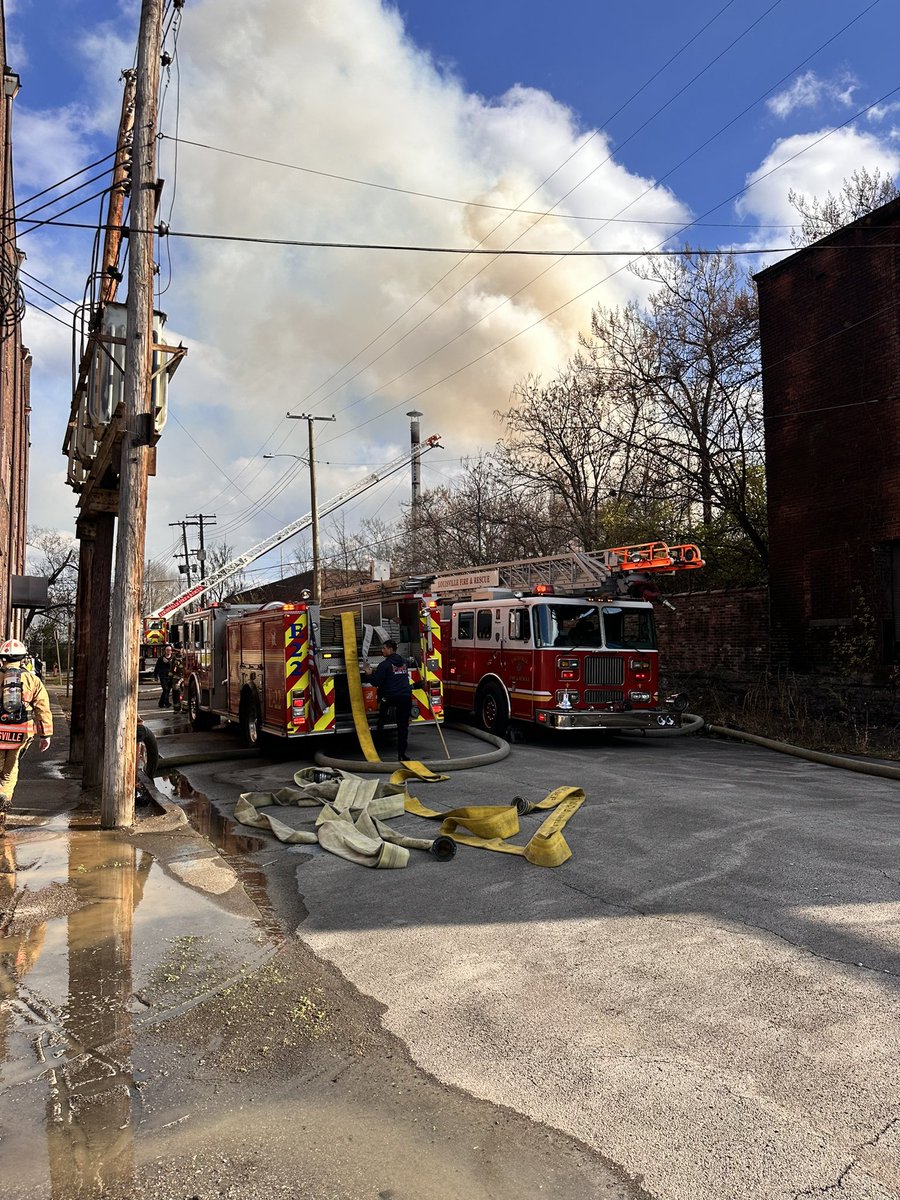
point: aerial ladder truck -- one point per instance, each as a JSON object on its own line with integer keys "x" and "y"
{"x": 279, "y": 669}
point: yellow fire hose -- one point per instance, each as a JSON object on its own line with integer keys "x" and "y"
{"x": 487, "y": 827}
{"x": 358, "y": 707}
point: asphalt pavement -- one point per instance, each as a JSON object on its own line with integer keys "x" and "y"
{"x": 705, "y": 994}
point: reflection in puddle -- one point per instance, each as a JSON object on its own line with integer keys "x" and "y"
{"x": 98, "y": 939}
{"x": 222, "y": 833}
{"x": 80, "y": 1042}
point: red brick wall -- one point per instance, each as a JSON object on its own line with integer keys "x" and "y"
{"x": 830, "y": 330}
{"x": 723, "y": 633}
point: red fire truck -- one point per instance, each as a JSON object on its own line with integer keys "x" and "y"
{"x": 569, "y": 643}
{"x": 154, "y": 634}
{"x": 282, "y": 669}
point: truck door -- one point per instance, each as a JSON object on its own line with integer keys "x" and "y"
{"x": 488, "y": 640}
{"x": 518, "y": 661}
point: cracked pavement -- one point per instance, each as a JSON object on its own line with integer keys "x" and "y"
{"x": 705, "y": 994}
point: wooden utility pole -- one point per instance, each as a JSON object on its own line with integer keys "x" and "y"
{"x": 313, "y": 504}
{"x": 96, "y": 531}
{"x": 117, "y": 804}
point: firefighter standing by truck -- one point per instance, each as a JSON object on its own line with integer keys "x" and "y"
{"x": 24, "y": 711}
{"x": 391, "y": 677}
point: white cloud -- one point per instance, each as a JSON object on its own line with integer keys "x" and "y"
{"x": 878, "y": 112}
{"x": 49, "y": 144}
{"x": 337, "y": 86}
{"x": 805, "y": 164}
{"x": 810, "y": 90}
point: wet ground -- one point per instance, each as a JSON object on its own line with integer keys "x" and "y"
{"x": 163, "y": 1032}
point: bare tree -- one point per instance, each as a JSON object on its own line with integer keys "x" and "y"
{"x": 685, "y": 369}
{"x": 217, "y": 555}
{"x": 55, "y": 558}
{"x": 560, "y": 442}
{"x": 161, "y": 583}
{"x": 859, "y": 194}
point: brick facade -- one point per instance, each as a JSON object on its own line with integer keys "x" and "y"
{"x": 830, "y": 339}
{"x": 15, "y": 366}
{"x": 721, "y": 634}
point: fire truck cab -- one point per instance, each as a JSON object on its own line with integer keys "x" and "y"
{"x": 563, "y": 662}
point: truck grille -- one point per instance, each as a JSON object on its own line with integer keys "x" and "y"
{"x": 604, "y": 670}
{"x": 606, "y": 696}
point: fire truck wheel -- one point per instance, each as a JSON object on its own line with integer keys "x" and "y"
{"x": 200, "y": 720}
{"x": 147, "y": 751}
{"x": 492, "y": 709}
{"x": 250, "y": 720}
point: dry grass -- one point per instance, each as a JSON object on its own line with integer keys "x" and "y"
{"x": 835, "y": 716}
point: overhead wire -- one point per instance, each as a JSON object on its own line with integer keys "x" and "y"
{"x": 755, "y": 251}
{"x": 504, "y": 208}
{"x": 598, "y": 283}
{"x": 534, "y": 192}
{"x": 548, "y": 212}
{"x": 59, "y": 183}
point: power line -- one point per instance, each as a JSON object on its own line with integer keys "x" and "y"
{"x": 60, "y": 182}
{"x": 605, "y": 279}
{"x": 505, "y": 208}
{"x": 718, "y": 133}
{"x": 722, "y": 251}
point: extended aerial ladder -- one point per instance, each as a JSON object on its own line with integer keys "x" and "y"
{"x": 171, "y": 607}
{"x": 588, "y": 569}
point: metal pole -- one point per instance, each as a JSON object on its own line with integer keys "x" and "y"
{"x": 415, "y": 442}
{"x": 117, "y": 804}
{"x": 313, "y": 506}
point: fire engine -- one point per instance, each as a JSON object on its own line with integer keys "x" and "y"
{"x": 282, "y": 669}
{"x": 565, "y": 642}
{"x": 154, "y": 635}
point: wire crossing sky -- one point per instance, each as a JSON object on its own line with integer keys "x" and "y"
{"x": 538, "y": 148}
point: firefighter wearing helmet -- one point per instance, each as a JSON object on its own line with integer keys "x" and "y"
{"x": 24, "y": 711}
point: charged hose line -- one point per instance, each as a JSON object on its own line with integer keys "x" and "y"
{"x": 466, "y": 763}
{"x": 430, "y": 772}
{"x": 881, "y": 770}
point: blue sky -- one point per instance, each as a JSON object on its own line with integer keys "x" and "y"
{"x": 474, "y": 102}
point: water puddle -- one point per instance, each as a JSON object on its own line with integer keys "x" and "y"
{"x": 98, "y": 939}
{"x": 228, "y": 838}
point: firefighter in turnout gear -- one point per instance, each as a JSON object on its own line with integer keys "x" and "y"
{"x": 391, "y": 677}
{"x": 24, "y": 712}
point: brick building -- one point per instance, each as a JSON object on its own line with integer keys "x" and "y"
{"x": 830, "y": 339}
{"x": 15, "y": 368}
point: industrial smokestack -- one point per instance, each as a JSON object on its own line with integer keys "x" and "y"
{"x": 415, "y": 441}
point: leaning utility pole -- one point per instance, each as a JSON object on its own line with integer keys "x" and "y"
{"x": 117, "y": 804}
{"x": 95, "y": 528}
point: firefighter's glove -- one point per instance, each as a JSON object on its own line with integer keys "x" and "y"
{"x": 44, "y": 744}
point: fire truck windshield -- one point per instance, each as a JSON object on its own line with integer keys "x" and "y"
{"x": 608, "y": 626}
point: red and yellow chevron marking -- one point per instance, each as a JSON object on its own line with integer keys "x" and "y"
{"x": 296, "y": 672}
{"x": 309, "y": 700}
{"x": 431, "y": 672}
{"x": 325, "y": 723}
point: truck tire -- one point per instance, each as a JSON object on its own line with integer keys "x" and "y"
{"x": 200, "y": 720}
{"x": 492, "y": 709}
{"x": 147, "y": 751}
{"x": 250, "y": 720}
